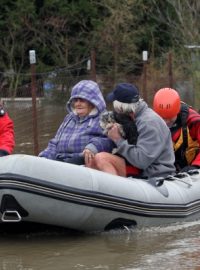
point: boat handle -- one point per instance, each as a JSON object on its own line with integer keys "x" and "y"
{"x": 11, "y": 216}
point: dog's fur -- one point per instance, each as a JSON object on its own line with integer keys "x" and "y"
{"x": 127, "y": 126}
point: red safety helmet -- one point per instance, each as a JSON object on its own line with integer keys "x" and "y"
{"x": 167, "y": 103}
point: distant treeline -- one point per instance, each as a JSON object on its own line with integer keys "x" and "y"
{"x": 63, "y": 33}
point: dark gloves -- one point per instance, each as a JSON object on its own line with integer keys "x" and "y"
{"x": 3, "y": 153}
{"x": 189, "y": 168}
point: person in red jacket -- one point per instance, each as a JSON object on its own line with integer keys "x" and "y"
{"x": 184, "y": 124}
{"x": 7, "y": 141}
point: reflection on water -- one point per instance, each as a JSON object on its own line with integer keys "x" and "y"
{"x": 49, "y": 117}
{"x": 172, "y": 247}
{"x": 176, "y": 247}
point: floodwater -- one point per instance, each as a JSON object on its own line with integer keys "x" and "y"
{"x": 170, "y": 247}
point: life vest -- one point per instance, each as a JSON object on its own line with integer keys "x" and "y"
{"x": 185, "y": 147}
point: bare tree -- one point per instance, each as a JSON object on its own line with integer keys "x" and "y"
{"x": 182, "y": 17}
{"x": 115, "y": 38}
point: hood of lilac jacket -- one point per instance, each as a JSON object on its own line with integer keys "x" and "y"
{"x": 89, "y": 91}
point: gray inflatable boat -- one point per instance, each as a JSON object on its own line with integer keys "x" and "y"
{"x": 34, "y": 189}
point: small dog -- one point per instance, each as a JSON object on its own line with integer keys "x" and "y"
{"x": 126, "y": 124}
{"x": 107, "y": 119}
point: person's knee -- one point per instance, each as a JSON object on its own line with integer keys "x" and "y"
{"x": 100, "y": 159}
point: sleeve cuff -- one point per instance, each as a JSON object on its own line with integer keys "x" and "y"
{"x": 119, "y": 142}
{"x": 3, "y": 153}
{"x": 92, "y": 148}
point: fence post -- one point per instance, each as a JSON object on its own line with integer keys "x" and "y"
{"x": 145, "y": 58}
{"x": 33, "y": 93}
{"x": 170, "y": 73}
{"x": 93, "y": 65}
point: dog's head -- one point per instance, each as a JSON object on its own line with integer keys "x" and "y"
{"x": 106, "y": 118}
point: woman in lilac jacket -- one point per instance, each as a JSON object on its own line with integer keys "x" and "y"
{"x": 80, "y": 137}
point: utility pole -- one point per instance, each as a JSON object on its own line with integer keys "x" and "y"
{"x": 195, "y": 68}
{"x": 32, "y": 59}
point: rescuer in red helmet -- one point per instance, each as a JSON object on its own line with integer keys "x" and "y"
{"x": 184, "y": 124}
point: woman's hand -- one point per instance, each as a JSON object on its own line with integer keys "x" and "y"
{"x": 89, "y": 157}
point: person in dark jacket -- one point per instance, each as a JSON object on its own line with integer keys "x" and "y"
{"x": 80, "y": 136}
{"x": 184, "y": 124}
{"x": 7, "y": 140}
